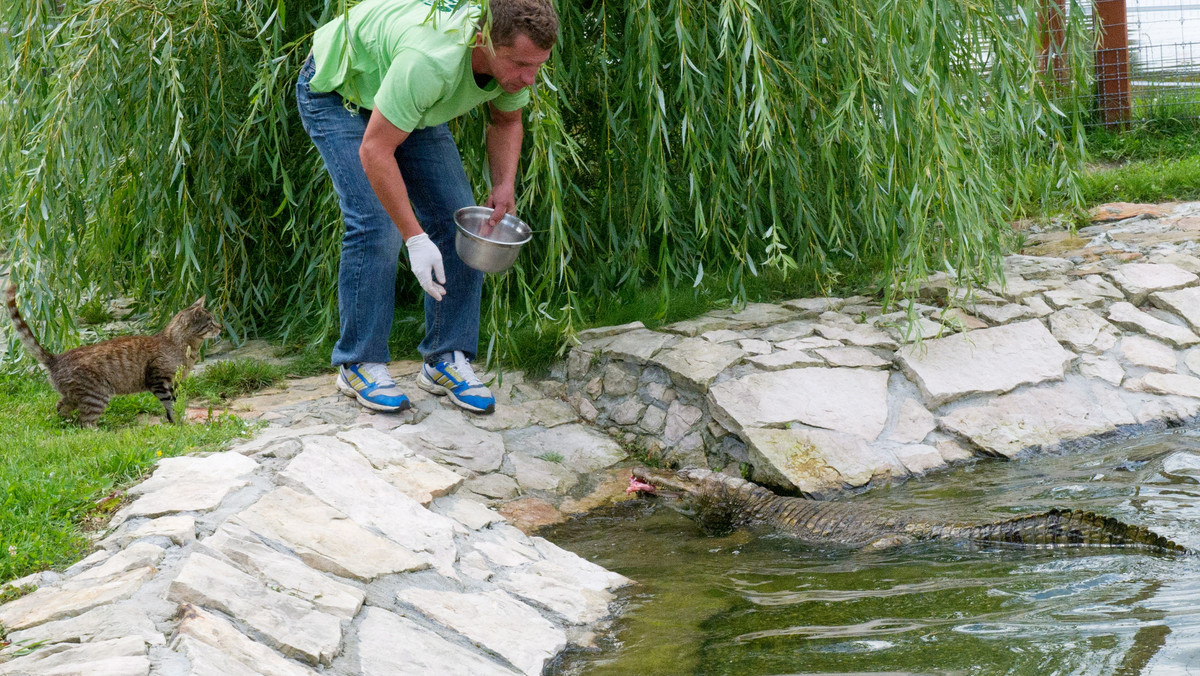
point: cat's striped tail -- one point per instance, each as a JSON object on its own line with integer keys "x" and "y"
{"x": 23, "y": 332}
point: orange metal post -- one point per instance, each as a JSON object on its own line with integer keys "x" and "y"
{"x": 1112, "y": 61}
{"x": 1053, "y": 41}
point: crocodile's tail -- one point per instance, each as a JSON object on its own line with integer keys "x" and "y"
{"x": 1063, "y": 527}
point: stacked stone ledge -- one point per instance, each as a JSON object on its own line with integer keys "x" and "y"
{"x": 295, "y": 553}
{"x": 824, "y": 395}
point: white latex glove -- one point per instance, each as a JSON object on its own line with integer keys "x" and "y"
{"x": 426, "y": 263}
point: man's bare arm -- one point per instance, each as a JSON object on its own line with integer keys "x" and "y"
{"x": 378, "y": 156}
{"x": 504, "y": 136}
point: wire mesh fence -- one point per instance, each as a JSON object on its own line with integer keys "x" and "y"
{"x": 1147, "y": 61}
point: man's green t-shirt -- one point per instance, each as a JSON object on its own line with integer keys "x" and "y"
{"x": 407, "y": 60}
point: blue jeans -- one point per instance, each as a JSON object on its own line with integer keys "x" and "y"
{"x": 437, "y": 187}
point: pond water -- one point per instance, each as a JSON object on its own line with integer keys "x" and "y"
{"x": 764, "y": 604}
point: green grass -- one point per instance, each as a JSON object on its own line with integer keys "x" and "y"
{"x": 226, "y": 380}
{"x": 1152, "y": 161}
{"x": 54, "y": 476}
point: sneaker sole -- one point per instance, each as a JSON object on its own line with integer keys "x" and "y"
{"x": 433, "y": 388}
{"x": 349, "y": 391}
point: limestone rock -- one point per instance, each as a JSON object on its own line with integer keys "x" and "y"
{"x": 102, "y": 623}
{"x": 1035, "y": 267}
{"x": 1139, "y": 280}
{"x": 289, "y": 624}
{"x": 620, "y": 379}
{"x": 447, "y": 437}
{"x": 697, "y": 361}
{"x": 1126, "y": 316}
{"x": 1184, "y": 302}
{"x": 913, "y": 423}
{"x": 379, "y": 448}
{"x": 325, "y": 538}
{"x": 852, "y": 357}
{"x": 1039, "y": 416}
{"x": 1001, "y": 314}
{"x": 785, "y": 359}
{"x": 391, "y": 645}
{"x": 284, "y": 573}
{"x": 680, "y": 419}
{"x": 787, "y": 331}
{"x": 371, "y": 501}
{"x": 861, "y": 335}
{"x": 216, "y": 468}
{"x": 138, "y": 555}
{"x": 1103, "y": 368}
{"x": 494, "y": 486}
{"x": 467, "y": 512}
{"x": 639, "y": 345}
{"x": 206, "y": 628}
{"x": 529, "y": 514}
{"x": 1119, "y": 211}
{"x": 755, "y": 346}
{"x": 817, "y": 462}
{"x": 422, "y": 479}
{"x": 853, "y": 401}
{"x": 919, "y": 458}
{"x": 1083, "y": 330}
{"x": 755, "y": 315}
{"x": 494, "y": 620}
{"x": 1166, "y": 383}
{"x": 989, "y": 361}
{"x": 582, "y": 448}
{"x": 54, "y": 603}
{"x": 115, "y": 657}
{"x": 1148, "y": 353}
{"x": 178, "y": 528}
{"x": 538, "y": 474}
{"x": 575, "y": 598}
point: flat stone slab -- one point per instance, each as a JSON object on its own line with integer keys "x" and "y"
{"x": 217, "y": 467}
{"x": 1184, "y": 302}
{"x": 582, "y": 448}
{"x": 289, "y": 624}
{"x": 1083, "y": 330}
{"x": 284, "y": 572}
{"x": 852, "y": 357}
{"x": 1035, "y": 267}
{"x": 332, "y": 474}
{"x": 639, "y": 345}
{"x": 448, "y": 437}
{"x": 847, "y": 400}
{"x": 574, "y": 597}
{"x": 1167, "y": 383}
{"x": 495, "y": 620}
{"x": 1039, "y": 416}
{"x": 785, "y": 359}
{"x": 697, "y": 361}
{"x": 1148, "y": 353}
{"x": 66, "y": 600}
{"x": 206, "y": 628}
{"x": 1128, "y": 317}
{"x": 989, "y": 361}
{"x": 391, "y": 645}
{"x": 816, "y": 462}
{"x": 326, "y": 538}
{"x": 115, "y": 657}
{"x": 1139, "y": 280}
{"x": 101, "y": 623}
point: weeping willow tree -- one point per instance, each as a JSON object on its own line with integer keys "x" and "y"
{"x": 152, "y": 148}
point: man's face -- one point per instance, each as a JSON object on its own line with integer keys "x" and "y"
{"x": 515, "y": 66}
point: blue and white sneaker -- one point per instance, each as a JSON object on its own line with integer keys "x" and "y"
{"x": 452, "y": 375}
{"x": 372, "y": 386}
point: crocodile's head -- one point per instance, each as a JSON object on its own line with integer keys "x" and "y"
{"x": 700, "y": 494}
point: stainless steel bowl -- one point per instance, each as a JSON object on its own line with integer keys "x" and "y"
{"x": 493, "y": 251}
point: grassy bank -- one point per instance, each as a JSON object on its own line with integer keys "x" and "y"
{"x": 1155, "y": 161}
{"x": 56, "y": 479}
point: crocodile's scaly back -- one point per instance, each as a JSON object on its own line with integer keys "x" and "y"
{"x": 737, "y": 502}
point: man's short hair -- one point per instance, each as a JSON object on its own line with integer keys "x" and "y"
{"x": 536, "y": 19}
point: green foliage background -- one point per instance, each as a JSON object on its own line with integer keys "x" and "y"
{"x": 152, "y": 148}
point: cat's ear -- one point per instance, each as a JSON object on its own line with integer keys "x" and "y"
{"x": 199, "y": 303}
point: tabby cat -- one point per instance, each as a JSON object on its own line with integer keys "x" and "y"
{"x": 88, "y": 377}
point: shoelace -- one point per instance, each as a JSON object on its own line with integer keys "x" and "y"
{"x": 463, "y": 366}
{"x": 379, "y": 375}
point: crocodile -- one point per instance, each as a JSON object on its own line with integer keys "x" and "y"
{"x": 722, "y": 503}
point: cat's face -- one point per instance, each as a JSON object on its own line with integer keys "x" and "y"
{"x": 196, "y": 320}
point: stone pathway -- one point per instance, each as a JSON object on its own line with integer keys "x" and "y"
{"x": 341, "y": 541}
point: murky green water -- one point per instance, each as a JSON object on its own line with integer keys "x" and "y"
{"x": 755, "y": 604}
